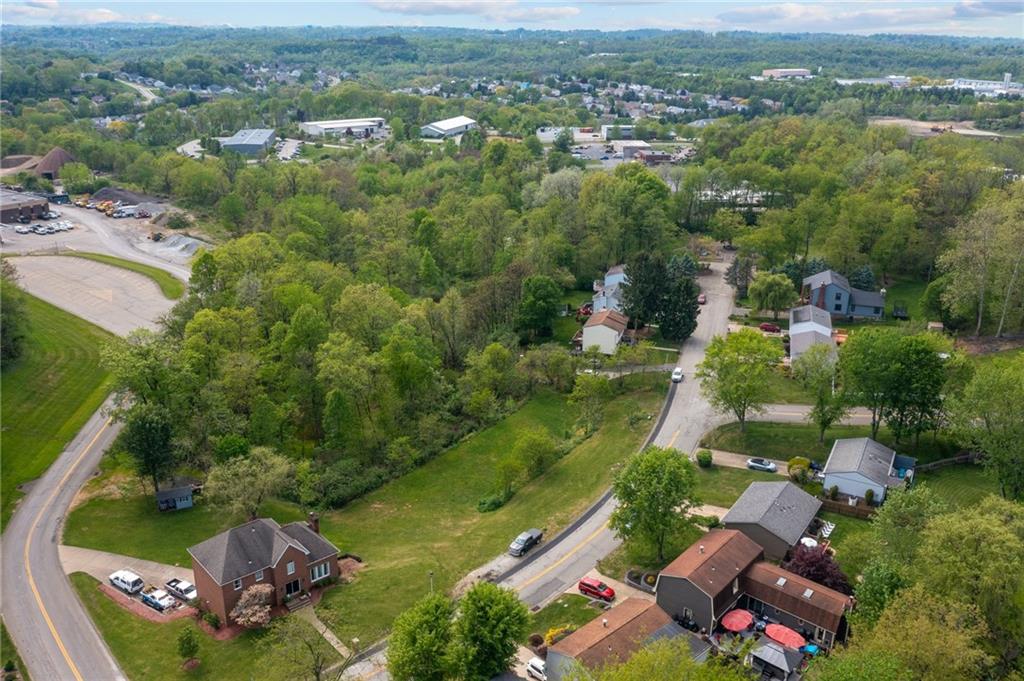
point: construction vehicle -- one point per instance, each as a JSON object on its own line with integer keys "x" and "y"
{"x": 82, "y": 201}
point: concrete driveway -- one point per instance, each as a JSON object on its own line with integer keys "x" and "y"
{"x": 113, "y": 298}
{"x": 101, "y": 565}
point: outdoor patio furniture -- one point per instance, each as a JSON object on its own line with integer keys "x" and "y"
{"x": 786, "y": 636}
{"x": 827, "y": 529}
{"x": 737, "y": 620}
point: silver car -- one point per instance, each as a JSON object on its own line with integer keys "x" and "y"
{"x": 759, "y": 464}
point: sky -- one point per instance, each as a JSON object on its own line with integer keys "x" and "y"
{"x": 1002, "y": 18}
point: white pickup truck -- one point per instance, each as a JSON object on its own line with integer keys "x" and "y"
{"x": 186, "y": 591}
{"x": 127, "y": 581}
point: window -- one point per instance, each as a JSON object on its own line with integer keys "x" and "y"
{"x": 291, "y": 568}
{"x": 839, "y": 296}
{"x": 878, "y": 310}
{"x": 808, "y": 593}
{"x": 837, "y": 307}
{"x": 780, "y": 582}
{"x": 238, "y": 585}
{"x": 318, "y": 572}
{"x": 259, "y": 575}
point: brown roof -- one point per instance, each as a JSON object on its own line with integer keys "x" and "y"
{"x": 824, "y": 607}
{"x": 53, "y": 162}
{"x": 615, "y": 635}
{"x": 713, "y": 562}
{"x": 609, "y": 318}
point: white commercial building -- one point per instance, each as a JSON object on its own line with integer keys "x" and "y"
{"x": 448, "y": 127}
{"x": 630, "y": 148}
{"x": 786, "y": 73}
{"x": 346, "y": 127}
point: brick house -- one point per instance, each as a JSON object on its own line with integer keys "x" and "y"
{"x": 293, "y": 558}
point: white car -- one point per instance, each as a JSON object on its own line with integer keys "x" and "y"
{"x": 535, "y": 669}
{"x": 127, "y": 581}
{"x": 677, "y": 375}
{"x": 23, "y": 229}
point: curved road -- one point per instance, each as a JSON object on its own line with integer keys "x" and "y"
{"x": 48, "y": 624}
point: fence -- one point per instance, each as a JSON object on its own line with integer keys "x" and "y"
{"x": 969, "y": 457}
{"x": 843, "y": 508}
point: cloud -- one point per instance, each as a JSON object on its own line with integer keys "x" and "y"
{"x": 495, "y": 10}
{"x": 52, "y": 12}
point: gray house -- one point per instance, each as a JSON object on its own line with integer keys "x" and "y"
{"x": 830, "y": 291}
{"x": 774, "y": 514}
{"x": 856, "y": 465}
{"x": 808, "y": 326}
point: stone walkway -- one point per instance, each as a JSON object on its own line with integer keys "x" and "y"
{"x": 309, "y": 614}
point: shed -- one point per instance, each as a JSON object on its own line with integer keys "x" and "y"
{"x": 174, "y": 499}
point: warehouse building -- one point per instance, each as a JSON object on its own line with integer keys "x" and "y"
{"x": 785, "y": 73}
{"x": 448, "y": 127}
{"x": 15, "y": 205}
{"x": 250, "y": 142}
{"x": 363, "y": 128}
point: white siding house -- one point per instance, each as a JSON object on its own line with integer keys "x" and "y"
{"x": 856, "y": 465}
{"x": 604, "y": 329}
{"x": 808, "y": 325}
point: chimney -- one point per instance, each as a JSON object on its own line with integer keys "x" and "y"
{"x": 821, "y": 297}
{"x": 701, "y": 549}
{"x": 314, "y": 522}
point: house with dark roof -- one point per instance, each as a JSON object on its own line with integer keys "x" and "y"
{"x": 858, "y": 464}
{"x": 615, "y": 636}
{"x": 773, "y": 514}
{"x": 831, "y": 291}
{"x": 725, "y": 570}
{"x": 292, "y": 558}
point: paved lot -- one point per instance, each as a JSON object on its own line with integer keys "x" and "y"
{"x": 288, "y": 147}
{"x": 110, "y": 297}
{"x": 101, "y": 565}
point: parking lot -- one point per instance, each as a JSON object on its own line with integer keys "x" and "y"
{"x": 287, "y": 149}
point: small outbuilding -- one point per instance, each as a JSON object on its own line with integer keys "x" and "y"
{"x": 174, "y": 499}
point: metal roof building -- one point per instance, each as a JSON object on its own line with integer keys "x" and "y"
{"x": 355, "y": 127}
{"x": 448, "y": 127}
{"x": 250, "y": 141}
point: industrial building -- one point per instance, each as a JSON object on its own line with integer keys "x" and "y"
{"x": 250, "y": 142}
{"x": 15, "y": 205}
{"x": 622, "y": 132}
{"x": 363, "y": 128}
{"x": 786, "y": 73}
{"x": 448, "y": 127}
{"x": 630, "y": 148}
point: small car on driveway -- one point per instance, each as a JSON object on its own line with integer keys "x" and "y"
{"x": 535, "y": 669}
{"x": 759, "y": 464}
{"x": 768, "y": 327}
{"x": 525, "y": 541}
{"x": 595, "y": 588}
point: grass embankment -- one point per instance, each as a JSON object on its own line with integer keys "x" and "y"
{"x": 8, "y": 653}
{"x": 149, "y": 650}
{"x": 723, "y": 485}
{"x": 172, "y": 287}
{"x": 425, "y": 521}
{"x": 783, "y": 441}
{"x": 644, "y": 557}
{"x": 570, "y": 610}
{"x": 48, "y": 394}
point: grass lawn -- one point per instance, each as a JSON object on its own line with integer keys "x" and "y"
{"x": 568, "y": 610}
{"x": 783, "y": 441}
{"x": 566, "y": 327}
{"x": 908, "y": 293}
{"x": 722, "y": 485}
{"x": 148, "y": 650}
{"x": 9, "y": 653}
{"x": 847, "y": 540}
{"x": 962, "y": 485}
{"x": 638, "y": 555}
{"x": 48, "y": 394}
{"x": 172, "y": 287}
{"x": 781, "y": 389}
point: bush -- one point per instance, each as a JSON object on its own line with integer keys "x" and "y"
{"x": 556, "y": 634}
{"x": 798, "y": 474}
{"x": 799, "y": 462}
{"x": 833, "y": 492}
{"x": 9, "y": 666}
{"x": 178, "y": 221}
{"x": 212, "y": 619}
{"x": 869, "y": 496}
{"x": 535, "y": 640}
{"x": 704, "y": 458}
{"x": 491, "y": 503}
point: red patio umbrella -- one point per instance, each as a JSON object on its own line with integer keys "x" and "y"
{"x": 737, "y": 620}
{"x": 785, "y": 636}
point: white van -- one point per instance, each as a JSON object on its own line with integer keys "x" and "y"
{"x": 535, "y": 669}
{"x": 127, "y": 581}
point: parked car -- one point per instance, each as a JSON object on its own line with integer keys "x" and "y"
{"x": 702, "y": 299}
{"x": 39, "y": 229}
{"x": 186, "y": 591}
{"x": 677, "y": 375}
{"x": 525, "y": 541}
{"x": 535, "y": 669}
{"x": 595, "y": 588}
{"x": 158, "y": 599}
{"x": 22, "y": 229}
{"x": 768, "y": 327}
{"x": 758, "y": 464}
{"x": 126, "y": 581}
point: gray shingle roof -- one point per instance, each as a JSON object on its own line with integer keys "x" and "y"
{"x": 782, "y": 508}
{"x": 827, "y": 277}
{"x": 778, "y": 656}
{"x": 318, "y": 547}
{"x": 808, "y": 314}
{"x": 866, "y": 298}
{"x": 862, "y": 455}
{"x": 256, "y": 545}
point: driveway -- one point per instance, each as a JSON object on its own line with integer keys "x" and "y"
{"x": 101, "y": 565}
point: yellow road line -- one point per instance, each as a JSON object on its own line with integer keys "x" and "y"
{"x": 674, "y": 436}
{"x": 28, "y": 546}
{"x": 563, "y": 558}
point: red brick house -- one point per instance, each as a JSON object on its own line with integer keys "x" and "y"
{"x": 293, "y": 558}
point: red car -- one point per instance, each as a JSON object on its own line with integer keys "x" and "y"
{"x": 595, "y": 588}
{"x": 702, "y": 299}
{"x": 768, "y": 327}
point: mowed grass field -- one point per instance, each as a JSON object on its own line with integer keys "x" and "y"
{"x": 149, "y": 650}
{"x": 172, "y": 287}
{"x": 48, "y": 394}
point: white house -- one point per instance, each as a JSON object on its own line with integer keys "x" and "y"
{"x": 448, "y": 127}
{"x": 808, "y": 325}
{"x": 856, "y": 465}
{"x": 604, "y": 329}
{"x": 608, "y": 293}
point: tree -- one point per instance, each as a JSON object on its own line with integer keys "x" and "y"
{"x": 655, "y": 490}
{"x": 13, "y": 317}
{"x": 855, "y": 664}
{"x": 253, "y": 608}
{"x": 864, "y": 362}
{"x": 881, "y": 581}
{"x": 538, "y": 306}
{"x": 898, "y": 525}
{"x": 147, "y": 438}
{"x": 76, "y": 177}
{"x": 188, "y": 644}
{"x": 914, "y": 379}
{"x": 302, "y": 652}
{"x": 817, "y": 565}
{"x": 677, "y": 316}
{"x": 420, "y": 638}
{"x": 643, "y": 290}
{"x": 487, "y": 631}
{"x": 726, "y": 225}
{"x": 989, "y": 416}
{"x": 817, "y": 369}
{"x": 667, "y": 659}
{"x": 536, "y": 449}
{"x": 773, "y": 292}
{"x": 739, "y": 273}
{"x": 588, "y": 396}
{"x": 735, "y": 370}
{"x": 242, "y": 484}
